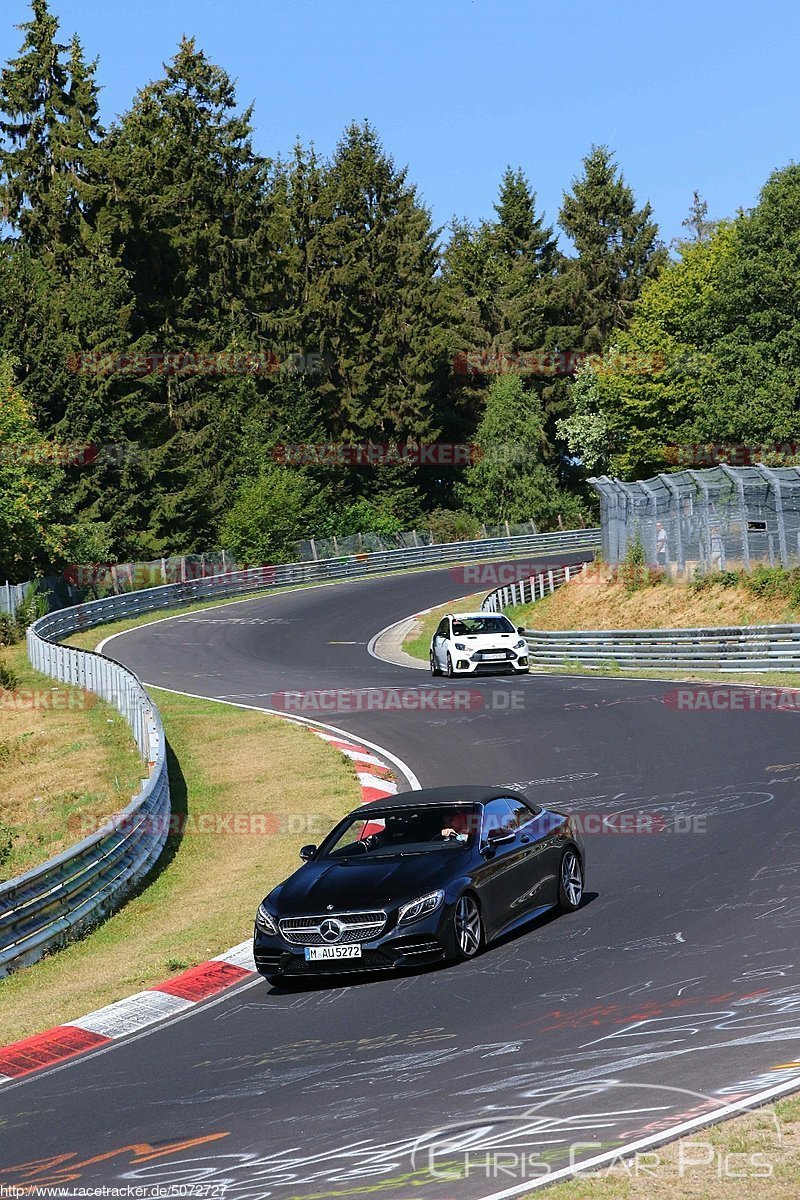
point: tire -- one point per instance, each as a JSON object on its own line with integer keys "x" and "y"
{"x": 434, "y": 669}
{"x": 449, "y": 672}
{"x": 570, "y": 881}
{"x": 468, "y": 933}
{"x": 274, "y": 980}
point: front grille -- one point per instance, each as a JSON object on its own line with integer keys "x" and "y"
{"x": 355, "y": 927}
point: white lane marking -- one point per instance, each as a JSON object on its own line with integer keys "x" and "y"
{"x": 345, "y": 734}
{"x": 374, "y": 781}
{"x": 665, "y": 1135}
{"x": 239, "y": 956}
{"x": 132, "y": 1013}
{"x": 361, "y": 757}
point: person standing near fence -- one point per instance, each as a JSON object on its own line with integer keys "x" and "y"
{"x": 661, "y": 545}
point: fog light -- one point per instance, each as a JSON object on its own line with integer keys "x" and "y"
{"x": 523, "y": 662}
{"x": 462, "y": 664}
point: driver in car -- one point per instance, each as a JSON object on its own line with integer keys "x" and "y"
{"x": 456, "y": 828}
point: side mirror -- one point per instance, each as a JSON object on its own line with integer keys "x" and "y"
{"x": 521, "y": 629}
{"x": 308, "y": 852}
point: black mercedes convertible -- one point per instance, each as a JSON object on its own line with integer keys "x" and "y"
{"x": 422, "y": 877}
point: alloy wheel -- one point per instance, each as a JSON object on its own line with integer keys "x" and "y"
{"x": 571, "y": 878}
{"x": 469, "y": 931}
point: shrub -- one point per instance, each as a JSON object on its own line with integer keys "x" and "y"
{"x": 635, "y": 573}
{"x": 449, "y": 526}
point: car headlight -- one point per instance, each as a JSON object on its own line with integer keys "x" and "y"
{"x": 460, "y": 645}
{"x": 420, "y": 908}
{"x": 521, "y": 644}
{"x": 265, "y": 920}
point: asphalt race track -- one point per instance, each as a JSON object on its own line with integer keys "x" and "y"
{"x": 673, "y": 990}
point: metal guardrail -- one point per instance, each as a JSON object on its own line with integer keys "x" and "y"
{"x": 734, "y": 648}
{"x": 76, "y": 889}
{"x": 524, "y": 591}
{"x": 236, "y": 583}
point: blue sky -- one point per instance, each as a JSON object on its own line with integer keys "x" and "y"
{"x": 689, "y": 95}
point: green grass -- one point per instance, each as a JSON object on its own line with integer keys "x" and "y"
{"x": 202, "y": 895}
{"x": 63, "y": 769}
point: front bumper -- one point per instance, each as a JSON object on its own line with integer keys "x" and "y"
{"x": 465, "y": 665}
{"x": 412, "y": 946}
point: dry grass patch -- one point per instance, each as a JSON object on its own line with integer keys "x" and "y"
{"x": 753, "y": 1157}
{"x": 201, "y": 899}
{"x": 67, "y": 761}
{"x": 593, "y": 602}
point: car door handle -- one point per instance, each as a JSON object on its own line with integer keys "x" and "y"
{"x": 525, "y": 838}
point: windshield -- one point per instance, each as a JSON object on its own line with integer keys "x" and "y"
{"x": 405, "y": 831}
{"x": 466, "y": 626}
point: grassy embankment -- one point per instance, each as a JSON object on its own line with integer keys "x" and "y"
{"x": 67, "y": 760}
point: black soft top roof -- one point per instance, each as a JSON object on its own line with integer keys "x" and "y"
{"x": 466, "y": 794}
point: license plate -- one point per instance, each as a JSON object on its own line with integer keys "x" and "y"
{"x": 487, "y": 656}
{"x": 325, "y": 953}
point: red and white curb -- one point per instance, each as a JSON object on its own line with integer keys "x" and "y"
{"x": 375, "y": 777}
{"x": 181, "y": 992}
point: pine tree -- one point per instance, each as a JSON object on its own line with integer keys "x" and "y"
{"x": 528, "y": 253}
{"x": 186, "y": 211}
{"x": 616, "y": 247}
{"x": 50, "y": 135}
{"x": 375, "y": 299}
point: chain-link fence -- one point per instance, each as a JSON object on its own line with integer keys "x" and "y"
{"x": 88, "y": 581}
{"x": 715, "y": 520}
{"x": 373, "y": 543}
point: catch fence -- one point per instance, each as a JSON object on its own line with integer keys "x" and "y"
{"x": 712, "y": 520}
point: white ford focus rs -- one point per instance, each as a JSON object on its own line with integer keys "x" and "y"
{"x": 477, "y": 643}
